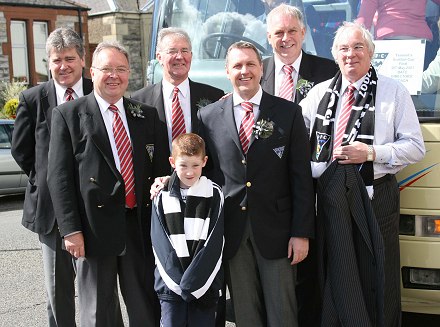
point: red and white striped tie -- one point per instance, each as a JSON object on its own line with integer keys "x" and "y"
{"x": 344, "y": 115}
{"x": 286, "y": 89}
{"x": 69, "y": 94}
{"x": 125, "y": 154}
{"x": 177, "y": 119}
{"x": 246, "y": 126}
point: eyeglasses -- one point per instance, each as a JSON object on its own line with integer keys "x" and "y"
{"x": 174, "y": 52}
{"x": 110, "y": 71}
{"x": 357, "y": 48}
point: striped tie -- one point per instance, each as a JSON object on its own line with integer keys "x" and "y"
{"x": 246, "y": 126}
{"x": 177, "y": 119}
{"x": 69, "y": 94}
{"x": 125, "y": 154}
{"x": 286, "y": 89}
{"x": 344, "y": 115}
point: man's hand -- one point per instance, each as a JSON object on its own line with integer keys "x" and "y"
{"x": 75, "y": 245}
{"x": 354, "y": 153}
{"x": 298, "y": 249}
{"x": 158, "y": 185}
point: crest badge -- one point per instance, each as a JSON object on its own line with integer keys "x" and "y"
{"x": 322, "y": 139}
{"x": 279, "y": 151}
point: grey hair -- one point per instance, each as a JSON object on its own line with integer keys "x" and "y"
{"x": 178, "y": 32}
{"x": 285, "y": 9}
{"x": 243, "y": 45}
{"x": 344, "y": 29}
{"x": 110, "y": 45}
{"x": 64, "y": 38}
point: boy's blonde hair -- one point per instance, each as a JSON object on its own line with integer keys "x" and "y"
{"x": 188, "y": 144}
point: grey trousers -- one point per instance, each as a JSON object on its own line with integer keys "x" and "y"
{"x": 262, "y": 290}
{"x": 59, "y": 278}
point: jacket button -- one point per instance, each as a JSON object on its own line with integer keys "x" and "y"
{"x": 243, "y": 208}
{"x": 149, "y": 178}
{"x": 248, "y": 184}
{"x": 243, "y": 162}
{"x": 91, "y": 179}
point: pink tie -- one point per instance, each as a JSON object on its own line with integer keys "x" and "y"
{"x": 246, "y": 126}
{"x": 177, "y": 119}
{"x": 69, "y": 94}
{"x": 286, "y": 89}
{"x": 125, "y": 154}
{"x": 344, "y": 115}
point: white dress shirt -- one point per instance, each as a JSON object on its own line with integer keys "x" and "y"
{"x": 398, "y": 140}
{"x": 279, "y": 73}
{"x": 61, "y": 91}
{"x": 239, "y": 112}
{"x": 107, "y": 115}
{"x": 185, "y": 104}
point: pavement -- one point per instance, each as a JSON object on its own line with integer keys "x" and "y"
{"x": 23, "y": 297}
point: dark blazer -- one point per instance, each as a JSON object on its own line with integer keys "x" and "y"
{"x": 30, "y": 145}
{"x": 86, "y": 187}
{"x": 153, "y": 96}
{"x": 272, "y": 184}
{"x": 312, "y": 68}
{"x": 350, "y": 250}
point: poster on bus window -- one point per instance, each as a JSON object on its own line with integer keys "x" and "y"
{"x": 401, "y": 60}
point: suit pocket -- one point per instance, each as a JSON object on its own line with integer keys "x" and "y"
{"x": 284, "y": 204}
{"x": 30, "y": 203}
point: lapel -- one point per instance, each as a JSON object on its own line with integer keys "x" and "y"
{"x": 266, "y": 112}
{"x": 48, "y": 101}
{"x": 305, "y": 72}
{"x": 137, "y": 129}
{"x": 158, "y": 101}
{"x": 93, "y": 123}
{"x": 268, "y": 79}
{"x": 195, "y": 97}
{"x": 229, "y": 119}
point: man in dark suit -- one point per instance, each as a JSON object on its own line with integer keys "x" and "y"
{"x": 266, "y": 179}
{"x": 286, "y": 31}
{"x": 30, "y": 146}
{"x": 104, "y": 150}
{"x": 174, "y": 55}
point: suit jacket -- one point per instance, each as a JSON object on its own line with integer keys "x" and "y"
{"x": 350, "y": 251}
{"x": 153, "y": 96}
{"x": 87, "y": 189}
{"x": 30, "y": 145}
{"x": 312, "y": 68}
{"x": 272, "y": 184}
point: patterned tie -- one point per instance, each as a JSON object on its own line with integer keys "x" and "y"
{"x": 344, "y": 115}
{"x": 177, "y": 119}
{"x": 125, "y": 154}
{"x": 69, "y": 94}
{"x": 246, "y": 125}
{"x": 286, "y": 89}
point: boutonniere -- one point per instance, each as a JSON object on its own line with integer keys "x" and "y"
{"x": 263, "y": 128}
{"x": 304, "y": 86}
{"x": 135, "y": 110}
{"x": 203, "y": 103}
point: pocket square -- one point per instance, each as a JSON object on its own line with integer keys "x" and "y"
{"x": 279, "y": 151}
{"x": 150, "y": 150}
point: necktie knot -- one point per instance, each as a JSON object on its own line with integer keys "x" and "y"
{"x": 113, "y": 108}
{"x": 350, "y": 90}
{"x": 247, "y": 106}
{"x": 288, "y": 70}
{"x": 175, "y": 91}
{"x": 69, "y": 94}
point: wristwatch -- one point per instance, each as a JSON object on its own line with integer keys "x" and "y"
{"x": 370, "y": 153}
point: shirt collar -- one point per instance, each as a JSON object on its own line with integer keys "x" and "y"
{"x": 279, "y": 64}
{"x": 103, "y": 105}
{"x": 168, "y": 88}
{"x": 256, "y": 99}
{"x": 77, "y": 87}
{"x": 345, "y": 83}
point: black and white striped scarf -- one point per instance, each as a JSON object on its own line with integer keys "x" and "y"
{"x": 360, "y": 125}
{"x": 188, "y": 229}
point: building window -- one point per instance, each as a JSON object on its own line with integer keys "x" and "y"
{"x": 20, "y": 64}
{"x": 29, "y": 52}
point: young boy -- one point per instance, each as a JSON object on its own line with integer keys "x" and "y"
{"x": 187, "y": 238}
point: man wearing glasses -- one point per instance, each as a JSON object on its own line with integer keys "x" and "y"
{"x": 177, "y": 98}
{"x": 104, "y": 152}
